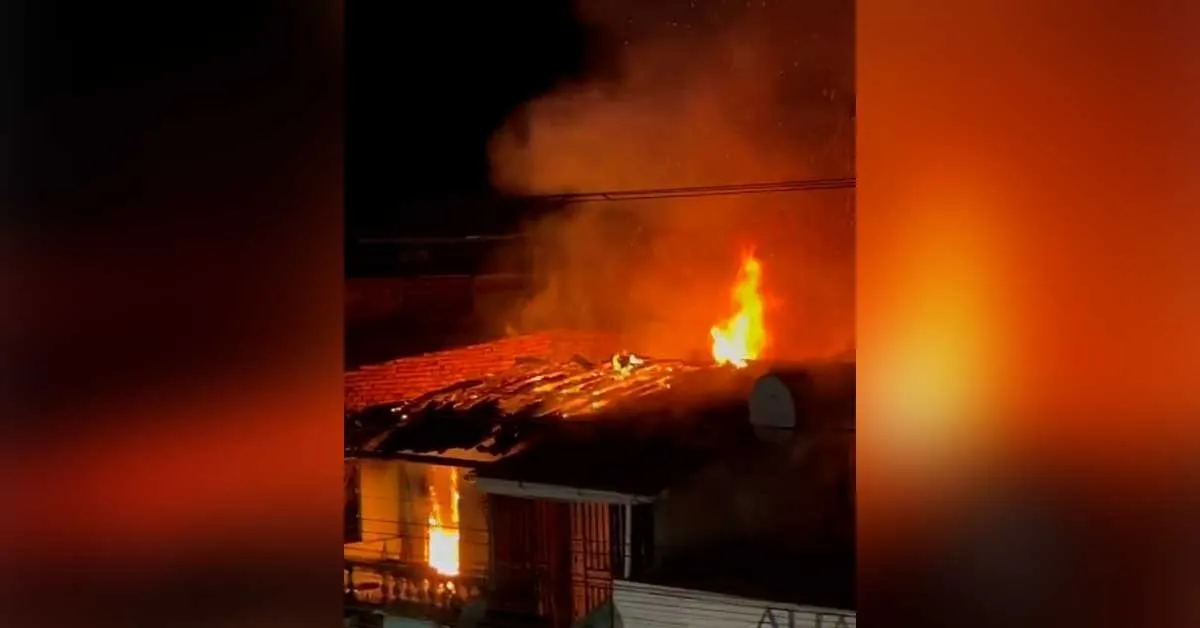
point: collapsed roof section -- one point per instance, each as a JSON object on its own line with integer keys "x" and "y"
{"x": 627, "y": 425}
{"x": 487, "y": 418}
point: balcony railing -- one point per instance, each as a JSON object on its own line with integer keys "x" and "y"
{"x": 409, "y": 590}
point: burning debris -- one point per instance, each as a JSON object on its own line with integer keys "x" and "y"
{"x": 493, "y": 415}
{"x": 570, "y": 389}
{"x": 624, "y": 363}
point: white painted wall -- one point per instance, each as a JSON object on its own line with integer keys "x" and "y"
{"x": 652, "y": 606}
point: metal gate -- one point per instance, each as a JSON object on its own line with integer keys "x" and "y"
{"x": 551, "y": 560}
{"x": 530, "y": 558}
{"x": 595, "y": 555}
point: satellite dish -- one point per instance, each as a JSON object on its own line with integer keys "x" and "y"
{"x": 787, "y": 399}
{"x": 772, "y": 404}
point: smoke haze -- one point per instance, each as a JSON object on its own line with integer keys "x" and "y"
{"x": 708, "y": 94}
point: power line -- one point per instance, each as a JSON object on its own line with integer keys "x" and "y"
{"x": 443, "y": 239}
{"x": 474, "y": 535}
{"x": 795, "y": 185}
{"x": 736, "y": 189}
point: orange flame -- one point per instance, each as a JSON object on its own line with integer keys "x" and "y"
{"x": 444, "y": 539}
{"x": 742, "y": 337}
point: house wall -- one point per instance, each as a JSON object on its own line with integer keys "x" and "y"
{"x": 793, "y": 495}
{"x": 384, "y": 502}
{"x": 395, "y": 505}
{"x": 410, "y": 377}
{"x": 642, "y": 605}
{"x": 350, "y": 506}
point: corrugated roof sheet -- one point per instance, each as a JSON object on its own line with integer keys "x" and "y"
{"x": 575, "y": 388}
{"x": 765, "y": 570}
{"x": 493, "y": 417}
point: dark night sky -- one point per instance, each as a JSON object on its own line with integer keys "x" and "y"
{"x": 128, "y": 104}
{"x": 427, "y": 85}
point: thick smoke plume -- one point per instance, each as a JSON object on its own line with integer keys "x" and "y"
{"x": 709, "y": 93}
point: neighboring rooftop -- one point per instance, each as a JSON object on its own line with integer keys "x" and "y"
{"x": 763, "y": 570}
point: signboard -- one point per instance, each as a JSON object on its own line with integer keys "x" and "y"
{"x": 786, "y": 618}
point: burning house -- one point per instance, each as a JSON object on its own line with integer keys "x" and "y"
{"x": 555, "y": 480}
